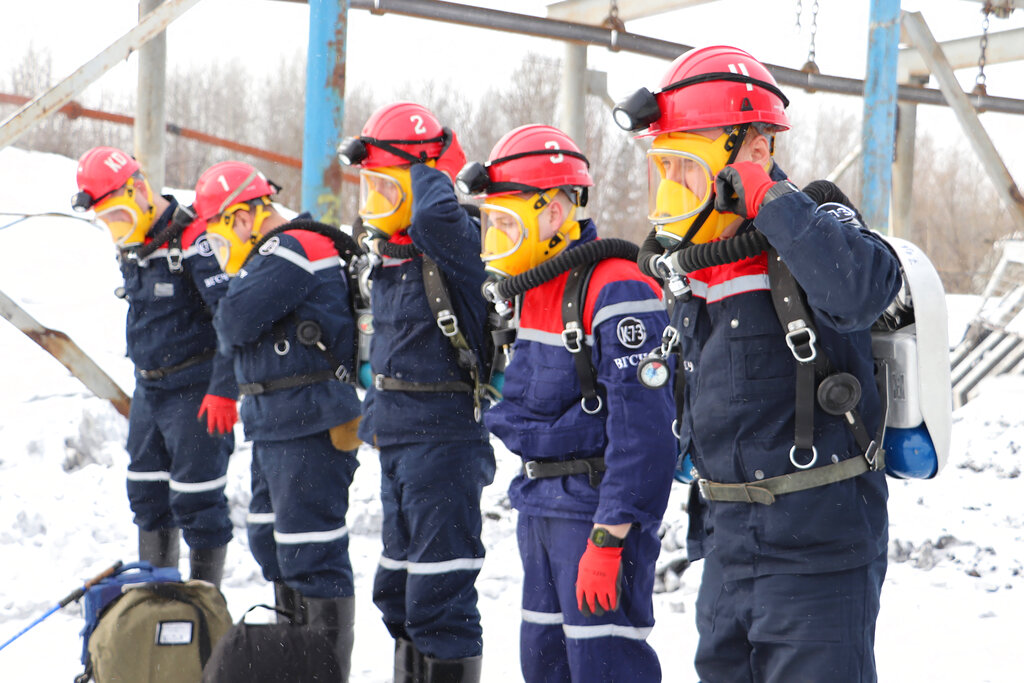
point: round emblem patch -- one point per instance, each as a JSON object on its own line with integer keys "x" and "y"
{"x": 204, "y": 247}
{"x": 631, "y": 332}
{"x": 268, "y": 247}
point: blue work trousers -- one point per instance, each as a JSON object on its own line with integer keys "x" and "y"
{"x": 177, "y": 471}
{"x": 789, "y": 628}
{"x": 425, "y": 583}
{"x": 557, "y": 643}
{"x": 296, "y": 521}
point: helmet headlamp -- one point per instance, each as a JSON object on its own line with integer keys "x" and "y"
{"x": 353, "y": 151}
{"x": 475, "y": 178}
{"x": 638, "y": 111}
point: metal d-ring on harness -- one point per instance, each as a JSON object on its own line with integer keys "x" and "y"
{"x": 837, "y": 393}
{"x": 182, "y": 217}
{"x": 817, "y": 383}
{"x": 574, "y": 336}
{"x": 307, "y": 333}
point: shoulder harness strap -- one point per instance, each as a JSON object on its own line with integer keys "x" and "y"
{"x": 574, "y": 337}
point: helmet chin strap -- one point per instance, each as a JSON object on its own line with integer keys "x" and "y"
{"x": 732, "y": 145}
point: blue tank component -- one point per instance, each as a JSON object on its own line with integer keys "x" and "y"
{"x": 498, "y": 382}
{"x": 685, "y": 471}
{"x": 365, "y": 375}
{"x": 910, "y": 453}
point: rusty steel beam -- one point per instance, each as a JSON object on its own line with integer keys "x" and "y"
{"x": 71, "y": 356}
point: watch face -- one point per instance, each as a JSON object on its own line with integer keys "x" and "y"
{"x": 602, "y": 539}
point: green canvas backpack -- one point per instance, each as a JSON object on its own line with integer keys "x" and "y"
{"x": 160, "y": 632}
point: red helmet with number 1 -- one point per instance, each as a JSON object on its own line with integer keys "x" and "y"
{"x": 222, "y": 190}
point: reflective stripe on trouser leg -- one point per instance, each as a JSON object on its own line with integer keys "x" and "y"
{"x": 308, "y": 481}
{"x": 259, "y": 523}
{"x": 611, "y": 647}
{"x": 178, "y": 471}
{"x": 789, "y": 627}
{"x": 425, "y": 583}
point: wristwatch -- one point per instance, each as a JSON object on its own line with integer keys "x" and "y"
{"x": 602, "y": 538}
{"x": 780, "y": 188}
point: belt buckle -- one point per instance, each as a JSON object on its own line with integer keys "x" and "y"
{"x": 702, "y": 486}
{"x": 378, "y": 382}
{"x": 530, "y": 469}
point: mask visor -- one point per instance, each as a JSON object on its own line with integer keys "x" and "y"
{"x": 380, "y": 195}
{"x": 501, "y": 232}
{"x": 680, "y": 186}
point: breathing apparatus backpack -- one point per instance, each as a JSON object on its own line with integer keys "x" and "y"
{"x": 908, "y": 342}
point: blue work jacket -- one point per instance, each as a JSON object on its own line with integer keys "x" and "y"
{"x": 295, "y": 276}
{"x": 542, "y": 418}
{"x": 407, "y": 343}
{"x": 738, "y": 414}
{"x": 170, "y": 311}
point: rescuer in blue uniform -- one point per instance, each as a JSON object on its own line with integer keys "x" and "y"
{"x": 779, "y": 411}
{"x": 180, "y": 429}
{"x": 597, "y": 468}
{"x": 422, "y": 409}
{"x": 287, "y": 322}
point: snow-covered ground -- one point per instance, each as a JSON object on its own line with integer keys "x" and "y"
{"x": 952, "y": 606}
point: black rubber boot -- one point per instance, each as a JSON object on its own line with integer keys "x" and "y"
{"x": 207, "y": 564}
{"x": 336, "y": 618}
{"x": 408, "y": 662}
{"x": 160, "y": 547}
{"x": 289, "y": 600}
{"x": 451, "y": 670}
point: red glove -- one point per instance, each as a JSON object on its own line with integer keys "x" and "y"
{"x": 453, "y": 159}
{"x": 599, "y": 580}
{"x": 221, "y": 413}
{"x": 740, "y": 188}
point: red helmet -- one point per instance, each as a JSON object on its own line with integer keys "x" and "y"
{"x": 531, "y": 157}
{"x": 402, "y": 127}
{"x": 103, "y": 170}
{"x": 227, "y": 183}
{"x": 709, "y": 87}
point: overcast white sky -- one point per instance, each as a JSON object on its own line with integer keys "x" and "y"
{"x": 389, "y": 51}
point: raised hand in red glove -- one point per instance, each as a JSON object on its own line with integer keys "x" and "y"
{"x": 599, "y": 580}
{"x": 221, "y": 413}
{"x": 740, "y": 188}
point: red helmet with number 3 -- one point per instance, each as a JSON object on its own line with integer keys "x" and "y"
{"x": 528, "y": 169}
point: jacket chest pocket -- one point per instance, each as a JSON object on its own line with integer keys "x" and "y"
{"x": 761, "y": 362}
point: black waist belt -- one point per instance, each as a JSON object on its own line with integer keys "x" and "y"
{"x": 257, "y": 388}
{"x": 160, "y": 373}
{"x": 592, "y": 467}
{"x": 382, "y": 383}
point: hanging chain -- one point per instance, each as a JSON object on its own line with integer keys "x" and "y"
{"x": 979, "y": 81}
{"x": 814, "y": 32}
{"x": 799, "y": 11}
{"x": 612, "y": 20}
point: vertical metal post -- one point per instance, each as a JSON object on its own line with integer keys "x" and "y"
{"x": 573, "y": 94}
{"x": 150, "y": 108}
{"x": 879, "y": 127}
{"x": 903, "y": 172}
{"x": 325, "y": 109}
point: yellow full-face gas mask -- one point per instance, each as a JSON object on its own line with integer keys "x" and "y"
{"x": 681, "y": 170}
{"x": 123, "y": 215}
{"x": 385, "y": 199}
{"x": 510, "y": 233}
{"x": 230, "y": 249}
